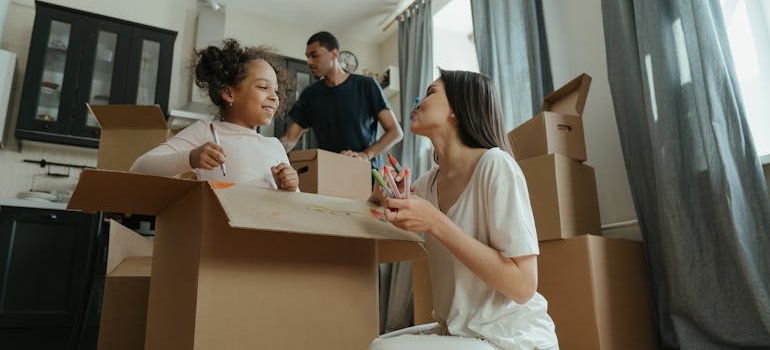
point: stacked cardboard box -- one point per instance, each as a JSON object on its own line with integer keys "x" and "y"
{"x": 550, "y": 149}
{"x": 597, "y": 288}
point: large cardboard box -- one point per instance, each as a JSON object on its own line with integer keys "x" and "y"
{"x": 558, "y": 128}
{"x": 563, "y": 196}
{"x": 332, "y": 174}
{"x": 128, "y": 131}
{"x": 240, "y": 267}
{"x": 126, "y": 290}
{"x": 598, "y": 293}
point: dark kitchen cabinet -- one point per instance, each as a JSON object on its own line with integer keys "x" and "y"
{"x": 48, "y": 260}
{"x": 76, "y": 57}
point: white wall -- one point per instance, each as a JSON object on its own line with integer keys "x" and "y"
{"x": 576, "y": 45}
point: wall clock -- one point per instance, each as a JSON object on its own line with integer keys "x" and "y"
{"x": 348, "y": 61}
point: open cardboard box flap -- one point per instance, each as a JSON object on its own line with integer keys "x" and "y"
{"x": 128, "y": 131}
{"x": 129, "y": 116}
{"x": 248, "y": 207}
{"x": 570, "y": 98}
{"x": 303, "y": 155}
{"x": 124, "y": 244}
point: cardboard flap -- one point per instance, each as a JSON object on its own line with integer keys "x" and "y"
{"x": 129, "y": 117}
{"x": 121, "y": 192}
{"x": 135, "y": 266}
{"x": 303, "y": 155}
{"x": 125, "y": 243}
{"x": 570, "y": 98}
{"x": 252, "y": 207}
{"x": 393, "y": 251}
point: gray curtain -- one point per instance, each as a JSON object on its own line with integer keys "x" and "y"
{"x": 697, "y": 185}
{"x": 415, "y": 61}
{"x": 512, "y": 50}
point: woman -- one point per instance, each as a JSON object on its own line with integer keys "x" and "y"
{"x": 244, "y": 83}
{"x": 474, "y": 210}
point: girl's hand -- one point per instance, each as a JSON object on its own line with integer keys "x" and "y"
{"x": 285, "y": 177}
{"x": 414, "y": 214}
{"x": 208, "y": 156}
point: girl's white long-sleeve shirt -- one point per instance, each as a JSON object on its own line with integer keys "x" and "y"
{"x": 250, "y": 155}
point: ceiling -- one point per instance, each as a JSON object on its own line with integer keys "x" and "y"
{"x": 358, "y": 19}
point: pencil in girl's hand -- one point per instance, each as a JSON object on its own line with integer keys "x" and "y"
{"x": 394, "y": 163}
{"x": 392, "y": 183}
{"x": 216, "y": 140}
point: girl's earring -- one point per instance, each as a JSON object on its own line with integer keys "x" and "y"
{"x": 229, "y": 103}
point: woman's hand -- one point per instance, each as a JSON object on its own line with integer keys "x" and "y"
{"x": 414, "y": 214}
{"x": 208, "y": 156}
{"x": 285, "y": 177}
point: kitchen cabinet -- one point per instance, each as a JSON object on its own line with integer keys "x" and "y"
{"x": 48, "y": 260}
{"x": 298, "y": 78}
{"x": 76, "y": 57}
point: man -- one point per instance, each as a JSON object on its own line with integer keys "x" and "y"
{"x": 342, "y": 108}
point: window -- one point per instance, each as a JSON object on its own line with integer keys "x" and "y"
{"x": 453, "y": 46}
{"x": 748, "y": 30}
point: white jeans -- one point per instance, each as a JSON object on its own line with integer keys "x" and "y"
{"x": 425, "y": 337}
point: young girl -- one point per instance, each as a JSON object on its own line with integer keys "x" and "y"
{"x": 244, "y": 83}
{"x": 480, "y": 233}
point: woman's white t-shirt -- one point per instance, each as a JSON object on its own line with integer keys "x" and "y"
{"x": 494, "y": 208}
{"x": 250, "y": 155}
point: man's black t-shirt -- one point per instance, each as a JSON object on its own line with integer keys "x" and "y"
{"x": 343, "y": 117}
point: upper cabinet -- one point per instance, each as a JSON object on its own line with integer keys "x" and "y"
{"x": 76, "y": 57}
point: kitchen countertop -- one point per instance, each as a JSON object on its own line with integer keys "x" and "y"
{"x": 29, "y": 203}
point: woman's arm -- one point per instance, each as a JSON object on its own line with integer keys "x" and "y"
{"x": 515, "y": 278}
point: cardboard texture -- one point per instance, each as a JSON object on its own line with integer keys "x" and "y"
{"x": 332, "y": 174}
{"x": 422, "y": 292}
{"x": 598, "y": 293}
{"x": 126, "y": 290}
{"x": 128, "y": 131}
{"x": 240, "y": 267}
{"x": 558, "y": 128}
{"x": 563, "y": 196}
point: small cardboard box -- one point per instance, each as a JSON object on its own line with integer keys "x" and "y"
{"x": 128, "y": 131}
{"x": 563, "y": 196}
{"x": 598, "y": 293}
{"x": 241, "y": 267}
{"x": 332, "y": 174}
{"x": 126, "y": 289}
{"x": 558, "y": 128}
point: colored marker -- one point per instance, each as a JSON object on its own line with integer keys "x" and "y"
{"x": 216, "y": 140}
{"x": 394, "y": 163}
{"x": 380, "y": 181}
{"x": 407, "y": 186}
{"x": 392, "y": 182}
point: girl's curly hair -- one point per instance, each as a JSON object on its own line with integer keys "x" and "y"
{"x": 217, "y": 68}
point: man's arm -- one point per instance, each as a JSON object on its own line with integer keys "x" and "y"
{"x": 392, "y": 135}
{"x": 290, "y": 138}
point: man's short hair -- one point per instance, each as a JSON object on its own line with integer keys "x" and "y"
{"x": 326, "y": 40}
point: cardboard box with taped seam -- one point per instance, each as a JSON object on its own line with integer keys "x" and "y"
{"x": 237, "y": 266}
{"x": 563, "y": 196}
{"x": 598, "y": 293}
{"x": 558, "y": 128}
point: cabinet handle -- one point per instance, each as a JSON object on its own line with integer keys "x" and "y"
{"x": 51, "y": 217}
